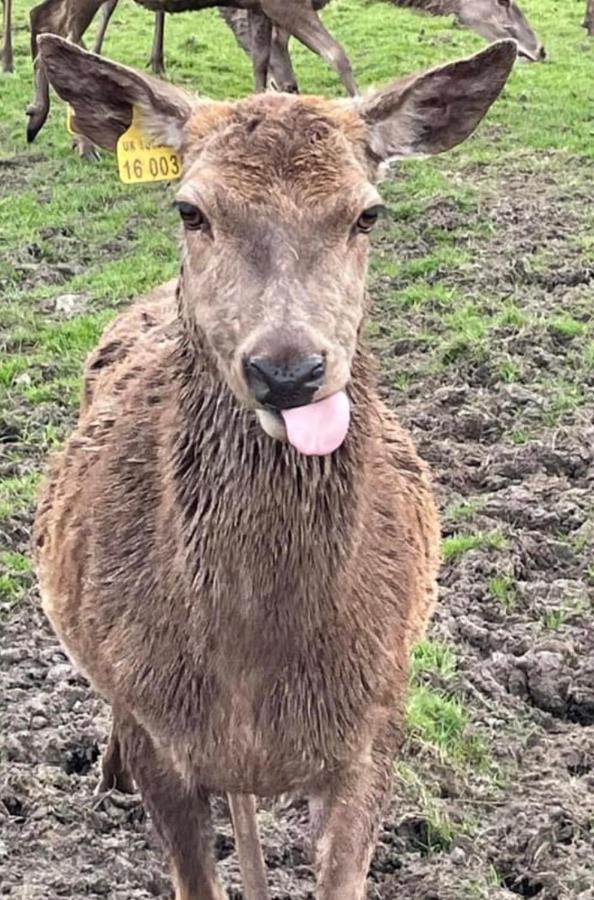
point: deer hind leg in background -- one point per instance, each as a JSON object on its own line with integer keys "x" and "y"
{"x": 68, "y": 19}
{"x": 589, "y": 18}
{"x": 345, "y": 817}
{"x": 260, "y": 42}
{"x": 7, "y": 57}
{"x": 280, "y": 71}
{"x": 114, "y": 774}
{"x": 299, "y": 18}
{"x": 157, "y": 60}
{"x": 106, "y": 14}
{"x": 180, "y": 815}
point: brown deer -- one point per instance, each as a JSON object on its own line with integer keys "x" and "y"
{"x": 71, "y": 18}
{"x": 589, "y": 18}
{"x": 238, "y": 544}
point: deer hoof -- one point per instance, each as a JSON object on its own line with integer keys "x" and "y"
{"x": 85, "y": 149}
{"x": 36, "y": 122}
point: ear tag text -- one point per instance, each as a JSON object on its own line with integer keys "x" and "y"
{"x": 139, "y": 160}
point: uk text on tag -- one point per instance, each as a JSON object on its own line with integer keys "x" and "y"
{"x": 69, "y": 118}
{"x": 139, "y": 160}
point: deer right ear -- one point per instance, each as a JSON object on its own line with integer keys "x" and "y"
{"x": 432, "y": 112}
{"x": 103, "y": 95}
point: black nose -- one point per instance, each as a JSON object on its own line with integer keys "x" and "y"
{"x": 283, "y": 385}
{"x": 542, "y": 53}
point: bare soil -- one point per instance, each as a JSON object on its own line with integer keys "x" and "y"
{"x": 524, "y": 826}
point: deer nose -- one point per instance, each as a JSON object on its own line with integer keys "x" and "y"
{"x": 542, "y": 54}
{"x": 284, "y": 385}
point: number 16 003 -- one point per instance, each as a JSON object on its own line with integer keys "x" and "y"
{"x": 163, "y": 166}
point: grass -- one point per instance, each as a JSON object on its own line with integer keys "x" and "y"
{"x": 463, "y": 512}
{"x": 433, "y": 657}
{"x": 458, "y": 545}
{"x": 436, "y": 831}
{"x": 503, "y": 588}
{"x": 15, "y": 577}
{"x": 437, "y": 719}
{"x": 441, "y": 723}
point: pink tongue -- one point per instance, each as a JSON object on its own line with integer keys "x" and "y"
{"x": 319, "y": 428}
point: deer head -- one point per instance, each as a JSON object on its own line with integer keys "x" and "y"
{"x": 277, "y": 200}
{"x": 499, "y": 19}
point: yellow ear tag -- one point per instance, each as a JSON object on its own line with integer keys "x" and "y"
{"x": 69, "y": 118}
{"x": 140, "y": 161}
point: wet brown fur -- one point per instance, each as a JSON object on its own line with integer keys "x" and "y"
{"x": 248, "y": 611}
{"x": 172, "y": 536}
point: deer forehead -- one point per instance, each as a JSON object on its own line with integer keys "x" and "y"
{"x": 270, "y": 146}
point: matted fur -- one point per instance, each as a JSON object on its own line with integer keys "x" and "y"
{"x": 248, "y": 611}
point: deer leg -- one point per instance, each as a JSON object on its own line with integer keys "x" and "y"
{"x": 251, "y": 860}
{"x": 181, "y": 815}
{"x": 300, "y": 19}
{"x": 589, "y": 18}
{"x": 157, "y": 60}
{"x": 7, "y": 57}
{"x": 345, "y": 820}
{"x": 113, "y": 771}
{"x": 280, "y": 72}
{"x": 54, "y": 17}
{"x": 38, "y": 110}
{"x": 106, "y": 14}
{"x": 260, "y": 41}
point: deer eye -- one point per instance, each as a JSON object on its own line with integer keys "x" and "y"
{"x": 368, "y": 218}
{"x": 192, "y": 217}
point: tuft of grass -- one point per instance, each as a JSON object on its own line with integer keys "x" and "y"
{"x": 567, "y": 327}
{"x": 503, "y": 588}
{"x": 553, "y": 619}
{"x": 435, "y": 831}
{"x": 520, "y": 437}
{"x": 441, "y": 723}
{"x": 509, "y": 371}
{"x": 457, "y": 545}
{"x": 433, "y": 656}
{"x": 17, "y": 494}
{"x": 462, "y": 512}
{"x": 15, "y": 578}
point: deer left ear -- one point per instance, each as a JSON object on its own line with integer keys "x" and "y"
{"x": 432, "y": 112}
{"x": 103, "y": 95}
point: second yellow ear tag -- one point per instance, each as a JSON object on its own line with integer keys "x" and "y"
{"x": 69, "y": 118}
{"x": 139, "y": 160}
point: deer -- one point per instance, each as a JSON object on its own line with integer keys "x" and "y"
{"x": 589, "y": 17}
{"x": 71, "y": 18}
{"x": 262, "y": 38}
{"x": 238, "y": 545}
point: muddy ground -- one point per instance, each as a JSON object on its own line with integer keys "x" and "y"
{"x": 510, "y": 457}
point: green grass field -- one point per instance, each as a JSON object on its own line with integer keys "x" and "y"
{"x": 483, "y": 282}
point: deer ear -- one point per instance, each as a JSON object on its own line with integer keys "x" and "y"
{"x": 434, "y": 111}
{"x": 103, "y": 94}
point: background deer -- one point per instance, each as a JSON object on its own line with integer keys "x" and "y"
{"x": 71, "y": 18}
{"x": 261, "y": 36}
{"x": 238, "y": 545}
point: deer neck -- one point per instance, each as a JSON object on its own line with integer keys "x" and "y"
{"x": 255, "y": 502}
